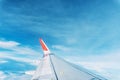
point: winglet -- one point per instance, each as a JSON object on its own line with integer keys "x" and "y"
{"x": 45, "y": 48}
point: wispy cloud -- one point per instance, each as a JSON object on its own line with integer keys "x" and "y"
{"x": 106, "y": 65}
{"x": 8, "y": 44}
{"x": 18, "y": 52}
{"x": 12, "y": 76}
{"x": 2, "y": 75}
{"x": 61, "y": 48}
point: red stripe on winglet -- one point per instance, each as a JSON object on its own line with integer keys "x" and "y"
{"x": 43, "y": 45}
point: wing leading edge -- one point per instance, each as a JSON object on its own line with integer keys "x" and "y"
{"x": 55, "y": 68}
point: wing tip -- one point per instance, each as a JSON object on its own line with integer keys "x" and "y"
{"x": 44, "y": 47}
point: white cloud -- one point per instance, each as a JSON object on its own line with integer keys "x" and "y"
{"x": 12, "y": 76}
{"x": 2, "y": 75}
{"x": 8, "y": 44}
{"x": 30, "y": 59}
{"x": 18, "y": 52}
{"x": 107, "y": 65}
{"x": 62, "y": 48}
{"x": 71, "y": 40}
{"x": 3, "y": 61}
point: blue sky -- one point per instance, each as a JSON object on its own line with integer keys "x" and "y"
{"x": 85, "y": 32}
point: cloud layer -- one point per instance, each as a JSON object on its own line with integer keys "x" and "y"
{"x": 106, "y": 65}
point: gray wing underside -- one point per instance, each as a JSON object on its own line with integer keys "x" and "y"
{"x": 54, "y": 68}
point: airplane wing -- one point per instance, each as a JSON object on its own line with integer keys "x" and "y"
{"x": 55, "y": 68}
